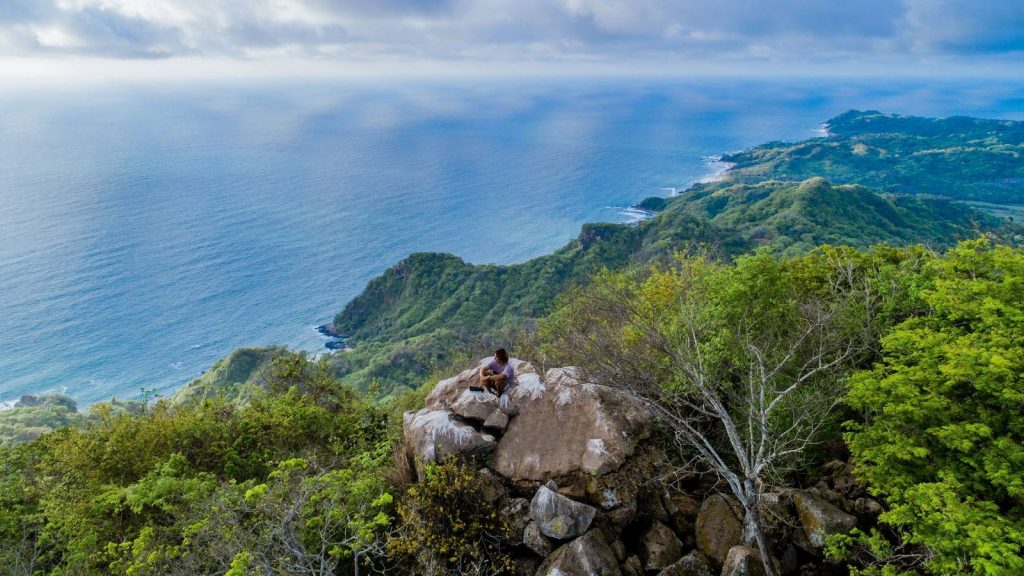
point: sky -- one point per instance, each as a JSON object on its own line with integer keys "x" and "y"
{"x": 41, "y": 38}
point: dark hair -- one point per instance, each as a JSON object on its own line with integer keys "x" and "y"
{"x": 502, "y": 355}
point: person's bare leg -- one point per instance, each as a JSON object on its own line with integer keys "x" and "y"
{"x": 485, "y": 383}
{"x": 499, "y": 384}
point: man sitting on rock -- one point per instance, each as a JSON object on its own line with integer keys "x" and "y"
{"x": 498, "y": 373}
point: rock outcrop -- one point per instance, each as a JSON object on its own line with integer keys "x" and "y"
{"x": 693, "y": 564}
{"x": 588, "y": 555}
{"x": 567, "y": 466}
{"x": 568, "y": 429}
{"x": 820, "y": 518}
{"x": 434, "y": 434}
{"x": 719, "y": 527}
{"x": 659, "y": 547}
{"x": 559, "y": 517}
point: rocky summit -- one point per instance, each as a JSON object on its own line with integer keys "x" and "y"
{"x": 569, "y": 467}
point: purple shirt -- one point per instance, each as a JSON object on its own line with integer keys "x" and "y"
{"x": 509, "y": 373}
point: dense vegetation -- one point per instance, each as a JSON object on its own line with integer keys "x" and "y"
{"x": 31, "y": 417}
{"x": 287, "y": 482}
{"x": 943, "y": 434}
{"x": 301, "y": 479}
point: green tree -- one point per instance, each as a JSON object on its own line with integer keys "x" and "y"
{"x": 943, "y": 432}
{"x": 742, "y": 363}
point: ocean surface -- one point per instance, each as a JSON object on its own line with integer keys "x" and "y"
{"x": 145, "y": 233}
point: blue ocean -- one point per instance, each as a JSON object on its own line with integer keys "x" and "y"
{"x": 147, "y": 232}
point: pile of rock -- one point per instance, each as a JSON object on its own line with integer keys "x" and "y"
{"x": 570, "y": 473}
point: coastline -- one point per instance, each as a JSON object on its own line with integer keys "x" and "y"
{"x": 718, "y": 171}
{"x": 335, "y": 340}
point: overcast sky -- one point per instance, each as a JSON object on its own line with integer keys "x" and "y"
{"x": 671, "y": 35}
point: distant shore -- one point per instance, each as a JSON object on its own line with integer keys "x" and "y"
{"x": 719, "y": 172}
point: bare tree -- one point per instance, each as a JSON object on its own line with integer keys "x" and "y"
{"x": 744, "y": 382}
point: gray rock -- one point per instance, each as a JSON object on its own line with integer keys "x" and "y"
{"x": 475, "y": 406}
{"x": 568, "y": 428}
{"x": 433, "y": 434}
{"x": 498, "y": 420}
{"x": 633, "y": 566}
{"x": 447, "y": 391}
{"x": 820, "y": 518}
{"x": 561, "y": 527}
{"x": 743, "y": 561}
{"x": 867, "y": 506}
{"x": 559, "y": 517}
{"x": 719, "y": 527}
{"x": 682, "y": 515}
{"x": 659, "y": 547}
{"x": 620, "y": 550}
{"x": 693, "y": 564}
{"x": 535, "y": 541}
{"x": 588, "y": 555}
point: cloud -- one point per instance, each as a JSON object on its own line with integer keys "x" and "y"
{"x": 560, "y": 30}
{"x": 966, "y": 26}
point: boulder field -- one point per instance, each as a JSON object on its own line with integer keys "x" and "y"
{"x": 571, "y": 468}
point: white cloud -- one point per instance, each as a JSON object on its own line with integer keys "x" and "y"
{"x": 616, "y": 31}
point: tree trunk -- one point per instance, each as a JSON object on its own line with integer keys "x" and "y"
{"x": 753, "y": 535}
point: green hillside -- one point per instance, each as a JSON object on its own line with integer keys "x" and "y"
{"x": 959, "y": 157}
{"x": 426, "y": 292}
{"x": 849, "y": 188}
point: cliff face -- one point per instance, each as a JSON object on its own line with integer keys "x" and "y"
{"x": 572, "y": 469}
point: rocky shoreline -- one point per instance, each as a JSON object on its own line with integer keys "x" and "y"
{"x": 336, "y": 340}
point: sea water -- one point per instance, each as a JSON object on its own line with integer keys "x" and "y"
{"x": 147, "y": 232}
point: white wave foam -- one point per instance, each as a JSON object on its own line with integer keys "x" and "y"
{"x": 717, "y": 169}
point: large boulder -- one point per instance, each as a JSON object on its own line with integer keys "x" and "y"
{"x": 682, "y": 512}
{"x": 497, "y": 421}
{"x": 560, "y": 517}
{"x": 693, "y": 564}
{"x": 536, "y": 541}
{"x": 475, "y": 406}
{"x": 566, "y": 428}
{"x": 434, "y": 434}
{"x": 447, "y": 391}
{"x": 820, "y": 518}
{"x": 659, "y": 547}
{"x": 719, "y": 527}
{"x": 743, "y": 561}
{"x": 588, "y": 555}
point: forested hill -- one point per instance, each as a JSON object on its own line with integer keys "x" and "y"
{"x": 849, "y": 188}
{"x": 958, "y": 157}
{"x": 427, "y": 292}
{"x": 874, "y": 178}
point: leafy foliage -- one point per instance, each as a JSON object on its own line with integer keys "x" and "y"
{"x": 943, "y": 436}
{"x": 290, "y": 480}
{"x": 448, "y": 527}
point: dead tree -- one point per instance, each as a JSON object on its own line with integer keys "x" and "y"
{"x": 744, "y": 390}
